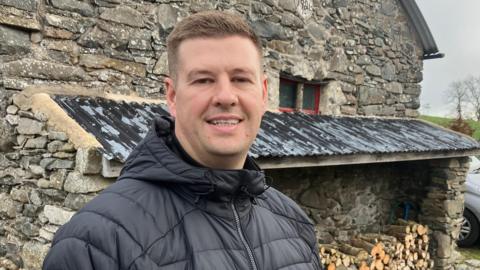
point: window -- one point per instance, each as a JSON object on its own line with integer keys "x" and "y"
{"x": 311, "y": 98}
{"x": 288, "y": 95}
{"x": 299, "y": 96}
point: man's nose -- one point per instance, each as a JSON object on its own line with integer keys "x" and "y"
{"x": 225, "y": 94}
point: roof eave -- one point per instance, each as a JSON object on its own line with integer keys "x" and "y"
{"x": 430, "y": 50}
{"x": 336, "y": 160}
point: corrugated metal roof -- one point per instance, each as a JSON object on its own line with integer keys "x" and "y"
{"x": 119, "y": 126}
{"x": 297, "y": 134}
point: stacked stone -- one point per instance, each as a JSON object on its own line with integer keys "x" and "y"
{"x": 344, "y": 202}
{"x": 374, "y": 55}
{"x": 106, "y": 45}
{"x": 442, "y": 209}
{"x": 43, "y": 181}
{"x": 367, "y": 46}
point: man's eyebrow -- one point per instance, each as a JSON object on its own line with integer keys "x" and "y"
{"x": 197, "y": 72}
{"x": 243, "y": 70}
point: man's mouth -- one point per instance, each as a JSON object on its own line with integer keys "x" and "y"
{"x": 224, "y": 122}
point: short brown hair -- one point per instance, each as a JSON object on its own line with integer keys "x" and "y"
{"x": 207, "y": 24}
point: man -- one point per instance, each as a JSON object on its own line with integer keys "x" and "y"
{"x": 189, "y": 197}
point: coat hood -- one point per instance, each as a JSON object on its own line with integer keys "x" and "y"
{"x": 153, "y": 161}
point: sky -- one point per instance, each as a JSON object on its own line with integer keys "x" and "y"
{"x": 455, "y": 26}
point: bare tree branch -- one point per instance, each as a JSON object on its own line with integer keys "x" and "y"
{"x": 458, "y": 95}
{"x": 472, "y": 85}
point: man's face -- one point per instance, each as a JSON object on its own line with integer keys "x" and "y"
{"x": 218, "y": 99}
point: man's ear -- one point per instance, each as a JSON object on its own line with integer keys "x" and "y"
{"x": 264, "y": 91}
{"x": 171, "y": 96}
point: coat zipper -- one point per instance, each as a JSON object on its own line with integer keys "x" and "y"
{"x": 242, "y": 237}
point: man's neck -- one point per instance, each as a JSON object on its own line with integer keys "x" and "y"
{"x": 177, "y": 148}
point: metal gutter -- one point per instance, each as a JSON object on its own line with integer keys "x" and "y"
{"x": 433, "y": 56}
{"x": 354, "y": 159}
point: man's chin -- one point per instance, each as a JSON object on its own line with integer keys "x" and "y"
{"x": 228, "y": 151}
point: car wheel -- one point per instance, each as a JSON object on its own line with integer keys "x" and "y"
{"x": 469, "y": 231}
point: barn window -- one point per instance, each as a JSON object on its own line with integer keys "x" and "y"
{"x": 288, "y": 95}
{"x": 299, "y": 96}
{"x": 311, "y": 98}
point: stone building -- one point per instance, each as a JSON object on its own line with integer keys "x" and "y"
{"x": 330, "y": 63}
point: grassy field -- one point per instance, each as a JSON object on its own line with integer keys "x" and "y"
{"x": 444, "y": 122}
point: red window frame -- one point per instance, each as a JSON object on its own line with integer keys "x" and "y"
{"x": 317, "y": 88}
{"x": 283, "y": 109}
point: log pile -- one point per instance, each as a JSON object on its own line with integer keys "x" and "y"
{"x": 403, "y": 246}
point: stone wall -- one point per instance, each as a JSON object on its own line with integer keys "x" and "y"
{"x": 366, "y": 47}
{"x": 346, "y": 200}
{"x": 43, "y": 181}
{"x": 443, "y": 207}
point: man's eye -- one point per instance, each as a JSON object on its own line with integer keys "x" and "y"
{"x": 203, "y": 81}
{"x": 241, "y": 79}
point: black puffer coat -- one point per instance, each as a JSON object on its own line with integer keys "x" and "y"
{"x": 163, "y": 213}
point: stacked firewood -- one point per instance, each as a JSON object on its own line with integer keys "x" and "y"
{"x": 403, "y": 246}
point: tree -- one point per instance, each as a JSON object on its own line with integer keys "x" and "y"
{"x": 472, "y": 86}
{"x": 461, "y": 126}
{"x": 465, "y": 96}
{"x": 458, "y": 95}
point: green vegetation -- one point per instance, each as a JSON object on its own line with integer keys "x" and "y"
{"x": 444, "y": 122}
{"x": 470, "y": 253}
{"x": 475, "y": 125}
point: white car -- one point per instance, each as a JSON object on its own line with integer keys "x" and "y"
{"x": 470, "y": 231}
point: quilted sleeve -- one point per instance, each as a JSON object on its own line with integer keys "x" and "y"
{"x": 73, "y": 253}
{"x": 93, "y": 239}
